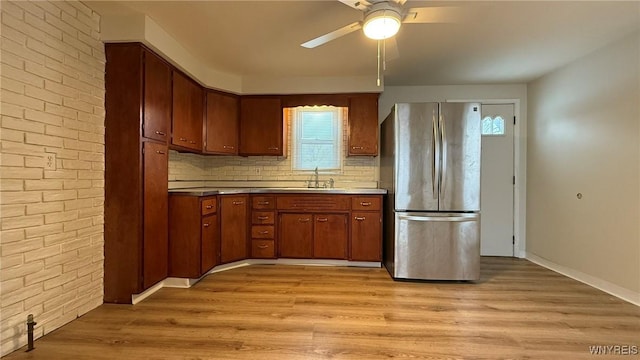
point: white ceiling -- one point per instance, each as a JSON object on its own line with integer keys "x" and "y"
{"x": 493, "y": 42}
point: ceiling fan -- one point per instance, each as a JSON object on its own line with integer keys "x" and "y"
{"x": 383, "y": 18}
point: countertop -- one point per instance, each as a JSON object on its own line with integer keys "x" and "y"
{"x": 207, "y": 191}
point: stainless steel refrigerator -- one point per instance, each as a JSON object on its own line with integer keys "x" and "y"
{"x": 430, "y": 166}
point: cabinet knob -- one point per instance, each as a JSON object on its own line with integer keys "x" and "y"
{"x": 323, "y": 219}
{"x": 360, "y": 218}
{"x": 160, "y": 133}
{"x": 238, "y": 202}
{"x": 365, "y": 203}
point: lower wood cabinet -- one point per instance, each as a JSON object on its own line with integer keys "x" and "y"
{"x": 194, "y": 236}
{"x": 233, "y": 228}
{"x": 296, "y": 235}
{"x": 330, "y": 236}
{"x": 366, "y": 232}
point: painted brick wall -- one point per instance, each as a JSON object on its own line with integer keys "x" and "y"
{"x": 191, "y": 167}
{"x": 52, "y": 108}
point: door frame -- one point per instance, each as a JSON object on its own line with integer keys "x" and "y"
{"x": 519, "y": 170}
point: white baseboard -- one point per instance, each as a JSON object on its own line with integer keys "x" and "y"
{"x": 610, "y": 288}
{"x": 185, "y": 283}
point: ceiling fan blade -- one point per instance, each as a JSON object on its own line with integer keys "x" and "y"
{"x": 400, "y": 2}
{"x": 320, "y": 40}
{"x": 436, "y": 14}
{"x": 391, "y": 49}
{"x": 357, "y": 4}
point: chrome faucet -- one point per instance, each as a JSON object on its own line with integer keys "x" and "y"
{"x": 315, "y": 172}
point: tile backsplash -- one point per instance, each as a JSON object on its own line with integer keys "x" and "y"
{"x": 191, "y": 170}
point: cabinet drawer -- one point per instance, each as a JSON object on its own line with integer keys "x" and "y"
{"x": 264, "y": 249}
{"x": 209, "y": 206}
{"x": 262, "y": 217}
{"x": 263, "y": 202}
{"x": 313, "y": 202}
{"x": 262, "y": 232}
{"x": 365, "y": 203}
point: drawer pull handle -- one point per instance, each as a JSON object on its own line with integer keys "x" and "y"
{"x": 323, "y": 219}
{"x": 357, "y": 148}
{"x": 182, "y": 139}
{"x": 360, "y": 218}
{"x": 228, "y": 147}
{"x": 273, "y": 148}
{"x": 265, "y": 232}
{"x": 364, "y": 203}
{"x": 205, "y": 224}
{"x": 160, "y": 133}
{"x": 160, "y": 152}
{"x": 263, "y": 218}
{"x": 263, "y": 203}
{"x": 303, "y": 220}
{"x": 238, "y": 202}
{"x": 191, "y": 142}
{"x": 209, "y": 206}
{"x": 263, "y": 246}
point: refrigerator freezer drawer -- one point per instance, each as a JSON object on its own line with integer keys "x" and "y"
{"x": 437, "y": 246}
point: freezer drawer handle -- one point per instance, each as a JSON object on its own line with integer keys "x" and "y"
{"x": 456, "y": 218}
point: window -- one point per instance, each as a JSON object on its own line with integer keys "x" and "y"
{"x": 316, "y": 138}
{"x": 493, "y": 126}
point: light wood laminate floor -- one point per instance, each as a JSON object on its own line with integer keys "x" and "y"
{"x": 518, "y": 310}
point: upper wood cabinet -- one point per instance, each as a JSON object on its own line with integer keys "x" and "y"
{"x": 157, "y": 98}
{"x": 262, "y": 126}
{"x": 363, "y": 125}
{"x": 188, "y": 112}
{"x": 221, "y": 130}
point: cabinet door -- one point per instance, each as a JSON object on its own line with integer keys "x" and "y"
{"x": 157, "y": 98}
{"x": 233, "y": 228}
{"x": 366, "y": 236}
{"x": 363, "y": 125}
{"x": 222, "y": 124}
{"x": 187, "y": 113}
{"x": 330, "y": 236}
{"x": 262, "y": 130}
{"x": 156, "y": 214}
{"x": 210, "y": 243}
{"x": 296, "y": 236}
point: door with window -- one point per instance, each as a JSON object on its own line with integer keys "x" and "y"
{"x": 497, "y": 180}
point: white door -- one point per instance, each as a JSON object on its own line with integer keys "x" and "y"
{"x": 497, "y": 181}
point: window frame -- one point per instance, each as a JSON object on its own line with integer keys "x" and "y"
{"x": 296, "y": 116}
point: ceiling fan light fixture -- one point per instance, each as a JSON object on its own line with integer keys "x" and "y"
{"x": 381, "y": 24}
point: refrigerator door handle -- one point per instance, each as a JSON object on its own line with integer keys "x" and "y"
{"x": 443, "y": 144}
{"x": 435, "y": 168}
{"x": 447, "y": 218}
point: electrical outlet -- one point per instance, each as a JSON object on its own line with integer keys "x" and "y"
{"x": 50, "y": 161}
{"x": 257, "y": 171}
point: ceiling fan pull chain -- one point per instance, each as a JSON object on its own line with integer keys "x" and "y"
{"x": 384, "y": 55}
{"x": 378, "y": 81}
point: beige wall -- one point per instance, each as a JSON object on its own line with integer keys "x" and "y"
{"x": 51, "y": 244}
{"x": 584, "y": 138}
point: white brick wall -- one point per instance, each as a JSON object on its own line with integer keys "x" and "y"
{"x": 52, "y": 103}
{"x": 191, "y": 167}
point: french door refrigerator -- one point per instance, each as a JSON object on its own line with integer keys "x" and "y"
{"x": 430, "y": 166}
